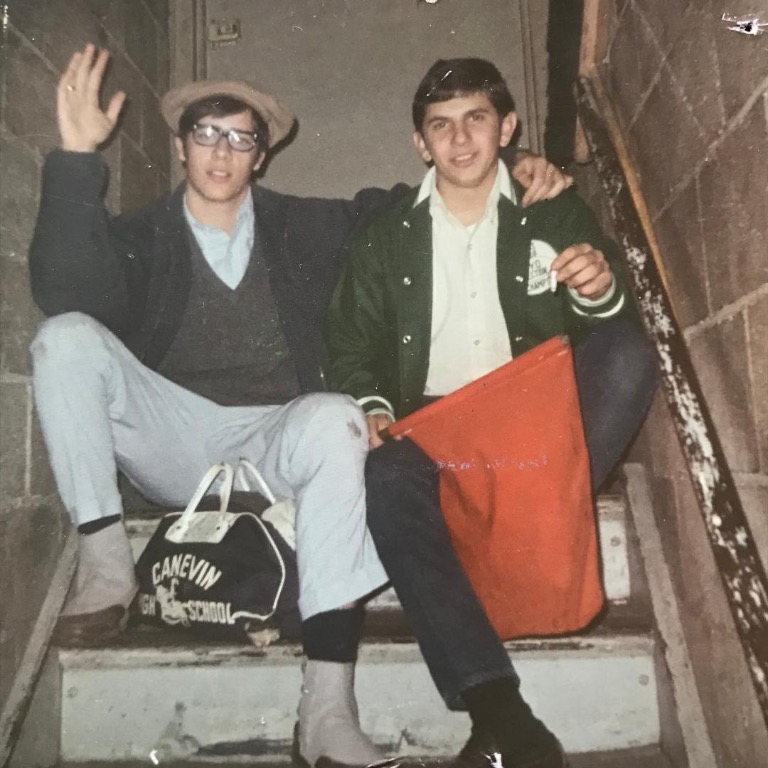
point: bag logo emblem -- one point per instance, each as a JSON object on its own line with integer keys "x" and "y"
{"x": 173, "y": 611}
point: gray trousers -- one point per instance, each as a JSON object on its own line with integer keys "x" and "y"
{"x": 102, "y": 410}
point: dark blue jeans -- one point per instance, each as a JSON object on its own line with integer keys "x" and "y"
{"x": 616, "y": 378}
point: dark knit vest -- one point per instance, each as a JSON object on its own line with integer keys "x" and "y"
{"x": 230, "y": 347}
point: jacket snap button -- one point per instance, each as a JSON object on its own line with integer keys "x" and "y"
{"x": 406, "y": 280}
{"x": 519, "y": 278}
{"x": 406, "y": 339}
{"x": 518, "y": 338}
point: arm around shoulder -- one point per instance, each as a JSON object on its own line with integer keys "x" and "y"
{"x": 367, "y": 203}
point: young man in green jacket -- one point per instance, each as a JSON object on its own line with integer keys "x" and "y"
{"x": 442, "y": 287}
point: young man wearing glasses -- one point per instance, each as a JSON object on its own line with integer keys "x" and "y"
{"x": 191, "y": 332}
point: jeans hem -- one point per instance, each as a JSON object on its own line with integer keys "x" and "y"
{"x": 454, "y": 700}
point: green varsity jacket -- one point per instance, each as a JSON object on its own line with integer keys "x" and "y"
{"x": 379, "y": 324}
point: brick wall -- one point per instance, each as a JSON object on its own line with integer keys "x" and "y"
{"x": 692, "y": 98}
{"x": 38, "y": 38}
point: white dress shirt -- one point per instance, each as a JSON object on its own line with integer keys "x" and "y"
{"x": 469, "y": 333}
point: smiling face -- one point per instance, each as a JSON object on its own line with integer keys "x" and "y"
{"x": 219, "y": 174}
{"x": 462, "y": 136}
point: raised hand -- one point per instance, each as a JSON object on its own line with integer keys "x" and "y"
{"x": 83, "y": 125}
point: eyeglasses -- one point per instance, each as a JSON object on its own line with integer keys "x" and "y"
{"x": 207, "y": 135}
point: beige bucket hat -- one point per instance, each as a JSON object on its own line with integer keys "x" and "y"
{"x": 279, "y": 118}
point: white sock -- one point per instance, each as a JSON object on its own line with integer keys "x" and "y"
{"x": 329, "y": 724}
{"x": 105, "y": 572}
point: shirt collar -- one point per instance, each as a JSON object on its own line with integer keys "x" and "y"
{"x": 502, "y": 186}
{"x": 244, "y": 217}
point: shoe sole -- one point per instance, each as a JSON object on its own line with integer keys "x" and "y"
{"x": 92, "y": 635}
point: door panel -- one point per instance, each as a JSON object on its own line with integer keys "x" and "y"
{"x": 349, "y": 68}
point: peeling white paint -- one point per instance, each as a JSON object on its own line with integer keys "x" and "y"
{"x": 636, "y": 256}
{"x": 745, "y": 25}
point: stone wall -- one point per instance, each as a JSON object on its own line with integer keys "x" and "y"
{"x": 692, "y": 99}
{"x": 38, "y": 38}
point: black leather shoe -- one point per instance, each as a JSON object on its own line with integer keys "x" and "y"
{"x": 481, "y": 751}
{"x": 87, "y": 630}
{"x": 554, "y": 758}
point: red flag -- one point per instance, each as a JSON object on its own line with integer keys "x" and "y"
{"x": 515, "y": 491}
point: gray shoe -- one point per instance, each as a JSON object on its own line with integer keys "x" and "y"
{"x": 329, "y": 724}
{"x": 104, "y": 585}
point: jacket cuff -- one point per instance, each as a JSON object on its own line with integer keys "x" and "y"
{"x": 373, "y": 404}
{"x": 606, "y": 306}
{"x": 74, "y": 176}
{"x": 381, "y": 412}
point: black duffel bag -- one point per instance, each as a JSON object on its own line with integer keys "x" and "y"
{"x": 223, "y": 575}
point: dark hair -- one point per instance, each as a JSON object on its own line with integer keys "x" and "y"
{"x": 221, "y": 105}
{"x": 450, "y": 78}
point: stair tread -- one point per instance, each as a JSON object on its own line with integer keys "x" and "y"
{"x": 166, "y": 667}
{"x": 638, "y": 757}
{"x": 605, "y": 504}
{"x": 617, "y": 617}
{"x": 387, "y": 628}
{"x": 219, "y": 687}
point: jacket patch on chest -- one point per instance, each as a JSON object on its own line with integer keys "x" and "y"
{"x": 542, "y": 256}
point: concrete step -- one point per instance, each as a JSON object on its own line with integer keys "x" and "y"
{"x": 639, "y": 757}
{"x": 611, "y": 511}
{"x": 156, "y": 695}
{"x": 152, "y": 695}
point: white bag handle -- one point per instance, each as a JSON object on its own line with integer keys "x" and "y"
{"x": 281, "y": 514}
{"x": 207, "y": 481}
{"x": 244, "y": 464}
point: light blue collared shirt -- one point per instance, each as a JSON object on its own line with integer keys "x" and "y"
{"x": 227, "y": 256}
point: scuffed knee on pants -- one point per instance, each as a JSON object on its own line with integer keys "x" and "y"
{"x": 328, "y": 417}
{"x": 66, "y": 336}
